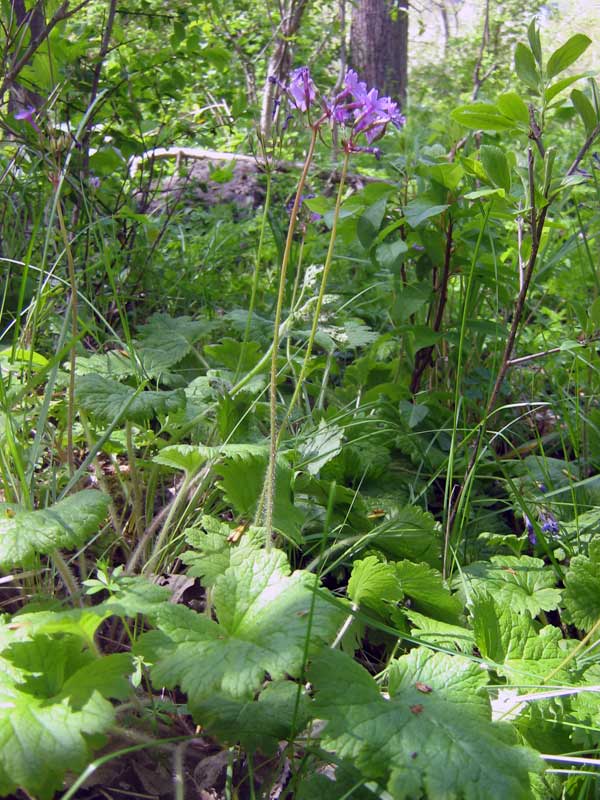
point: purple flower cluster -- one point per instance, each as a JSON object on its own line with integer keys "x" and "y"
{"x": 356, "y": 107}
{"x": 27, "y": 115}
{"x": 302, "y": 89}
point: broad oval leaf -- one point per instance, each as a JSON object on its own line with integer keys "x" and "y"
{"x": 110, "y": 400}
{"x": 585, "y": 110}
{"x": 496, "y": 165}
{"x": 482, "y": 116}
{"x": 514, "y": 107}
{"x": 567, "y": 54}
{"x": 525, "y": 66}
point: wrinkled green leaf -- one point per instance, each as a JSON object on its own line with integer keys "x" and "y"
{"x": 215, "y": 551}
{"x": 374, "y": 583}
{"x": 523, "y": 583}
{"x": 433, "y": 737}
{"x": 263, "y": 616}
{"x": 109, "y": 400}
{"x": 521, "y": 651}
{"x": 65, "y": 525}
{"x": 582, "y": 589}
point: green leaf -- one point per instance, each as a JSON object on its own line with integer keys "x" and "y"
{"x": 242, "y": 481}
{"x": 414, "y": 413}
{"x": 442, "y": 634}
{"x": 524, "y": 584}
{"x": 594, "y": 312}
{"x": 255, "y": 724}
{"x": 418, "y": 211}
{"x": 525, "y": 66}
{"x": 323, "y": 445}
{"x": 482, "y": 116}
{"x": 433, "y": 737}
{"x": 424, "y": 336}
{"x": 409, "y": 533}
{"x": 164, "y": 341}
{"x": 229, "y": 352}
{"x": 113, "y": 364}
{"x": 448, "y": 175}
{"x": 374, "y": 584}
{"x": 582, "y": 589}
{"x": 426, "y": 589}
{"x": 109, "y": 400}
{"x": 479, "y": 193}
{"x": 514, "y": 107}
{"x": 65, "y": 525}
{"x": 41, "y": 740}
{"x": 215, "y": 551}
{"x": 558, "y": 86}
{"x": 535, "y": 42}
{"x": 263, "y": 616}
{"x": 496, "y": 165}
{"x": 186, "y": 457}
{"x": 389, "y": 254}
{"x": 520, "y": 650}
{"x": 585, "y": 110}
{"x": 52, "y": 707}
{"x": 586, "y": 708}
{"x": 567, "y": 54}
{"x": 410, "y": 299}
{"x": 370, "y": 221}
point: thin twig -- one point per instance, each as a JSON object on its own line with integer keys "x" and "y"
{"x": 423, "y": 357}
{"x": 586, "y": 146}
{"x": 61, "y": 14}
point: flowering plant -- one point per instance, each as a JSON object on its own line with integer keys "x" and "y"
{"x": 356, "y": 107}
{"x": 363, "y": 113}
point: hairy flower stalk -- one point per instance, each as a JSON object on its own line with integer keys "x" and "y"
{"x": 270, "y": 479}
{"x": 366, "y": 114}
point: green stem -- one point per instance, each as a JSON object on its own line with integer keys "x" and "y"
{"x": 317, "y": 311}
{"x": 255, "y": 276}
{"x": 72, "y": 355}
{"x": 270, "y": 478}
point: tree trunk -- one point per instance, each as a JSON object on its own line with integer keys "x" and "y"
{"x": 379, "y": 45}
{"x": 280, "y": 61}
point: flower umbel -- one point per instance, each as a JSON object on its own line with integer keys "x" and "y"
{"x": 364, "y": 110}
